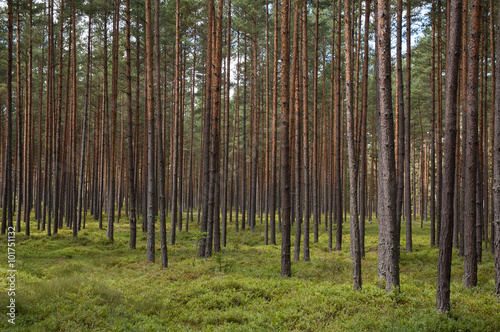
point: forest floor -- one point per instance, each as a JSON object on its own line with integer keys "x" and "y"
{"x": 91, "y": 284}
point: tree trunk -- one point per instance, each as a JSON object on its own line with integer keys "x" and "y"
{"x": 315, "y": 152}
{"x": 85, "y": 125}
{"x": 400, "y": 150}
{"x": 226, "y": 132}
{"x": 28, "y": 136}
{"x": 268, "y": 133}
{"x": 433, "y": 135}
{"x": 364, "y": 114}
{"x": 496, "y": 167}
{"x": 386, "y": 175}
{"x": 407, "y": 193}
{"x": 7, "y": 190}
{"x": 206, "y": 239}
{"x": 244, "y": 156}
{"x": 337, "y": 141}
{"x": 150, "y": 125}
{"x": 353, "y": 167}
{"x": 191, "y": 141}
{"x": 445, "y": 243}
{"x": 216, "y": 99}
{"x": 439, "y": 125}
{"x": 298, "y": 191}
{"x": 471, "y": 154}
{"x": 286, "y": 265}
{"x": 161, "y": 158}
{"x": 305, "y": 130}
{"x": 19, "y": 130}
{"x": 176, "y": 149}
{"x": 131, "y": 171}
{"x": 114, "y": 109}
{"x": 255, "y": 130}
{"x": 272, "y": 204}
{"x": 493, "y": 102}
{"x": 465, "y": 8}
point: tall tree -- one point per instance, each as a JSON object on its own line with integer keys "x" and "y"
{"x": 493, "y": 98}
{"x": 226, "y": 130}
{"x": 433, "y": 132}
{"x": 7, "y": 181}
{"x": 337, "y": 139}
{"x": 214, "y": 194}
{"x": 407, "y": 183}
{"x": 150, "y": 137}
{"x": 85, "y": 124}
{"x": 286, "y": 265}
{"x": 445, "y": 243}
{"x": 364, "y": 112}
{"x": 29, "y": 131}
{"x": 176, "y": 153}
{"x": 272, "y": 199}
{"x": 268, "y": 134}
{"x": 439, "y": 122}
{"x": 206, "y": 239}
{"x": 315, "y": 152}
{"x": 161, "y": 166}
{"x": 50, "y": 160}
{"x": 471, "y": 153}
{"x": 296, "y": 134}
{"x": 353, "y": 167}
{"x": 496, "y": 163}
{"x": 305, "y": 131}
{"x": 386, "y": 174}
{"x": 131, "y": 171}
{"x": 114, "y": 110}
{"x": 254, "y": 110}
{"x": 400, "y": 150}
{"x": 19, "y": 127}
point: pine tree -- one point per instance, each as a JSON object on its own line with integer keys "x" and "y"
{"x": 445, "y": 243}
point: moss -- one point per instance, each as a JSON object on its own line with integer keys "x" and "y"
{"x": 91, "y": 284}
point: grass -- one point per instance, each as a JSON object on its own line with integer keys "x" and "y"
{"x": 91, "y": 284}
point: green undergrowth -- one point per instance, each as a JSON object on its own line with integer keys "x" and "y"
{"x": 91, "y": 284}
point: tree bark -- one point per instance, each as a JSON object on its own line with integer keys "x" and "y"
{"x": 206, "y": 239}
{"x": 295, "y": 101}
{"x": 364, "y": 114}
{"x": 226, "y": 131}
{"x": 433, "y": 135}
{"x": 439, "y": 125}
{"x": 84, "y": 131}
{"x": 305, "y": 130}
{"x": 496, "y": 167}
{"x": 114, "y": 110}
{"x": 471, "y": 154}
{"x": 407, "y": 193}
{"x": 286, "y": 265}
{"x": 176, "y": 149}
{"x": 386, "y": 175}
{"x": 150, "y": 138}
{"x": 131, "y": 171}
{"x": 315, "y": 152}
{"x": 272, "y": 204}
{"x": 7, "y": 190}
{"x": 337, "y": 141}
{"x": 400, "y": 150}
{"x": 161, "y": 158}
{"x": 445, "y": 243}
{"x": 353, "y": 167}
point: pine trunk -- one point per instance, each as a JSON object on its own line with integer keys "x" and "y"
{"x": 445, "y": 243}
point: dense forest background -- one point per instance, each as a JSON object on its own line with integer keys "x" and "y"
{"x": 309, "y": 115}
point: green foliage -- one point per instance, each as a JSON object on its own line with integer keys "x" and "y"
{"x": 90, "y": 284}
